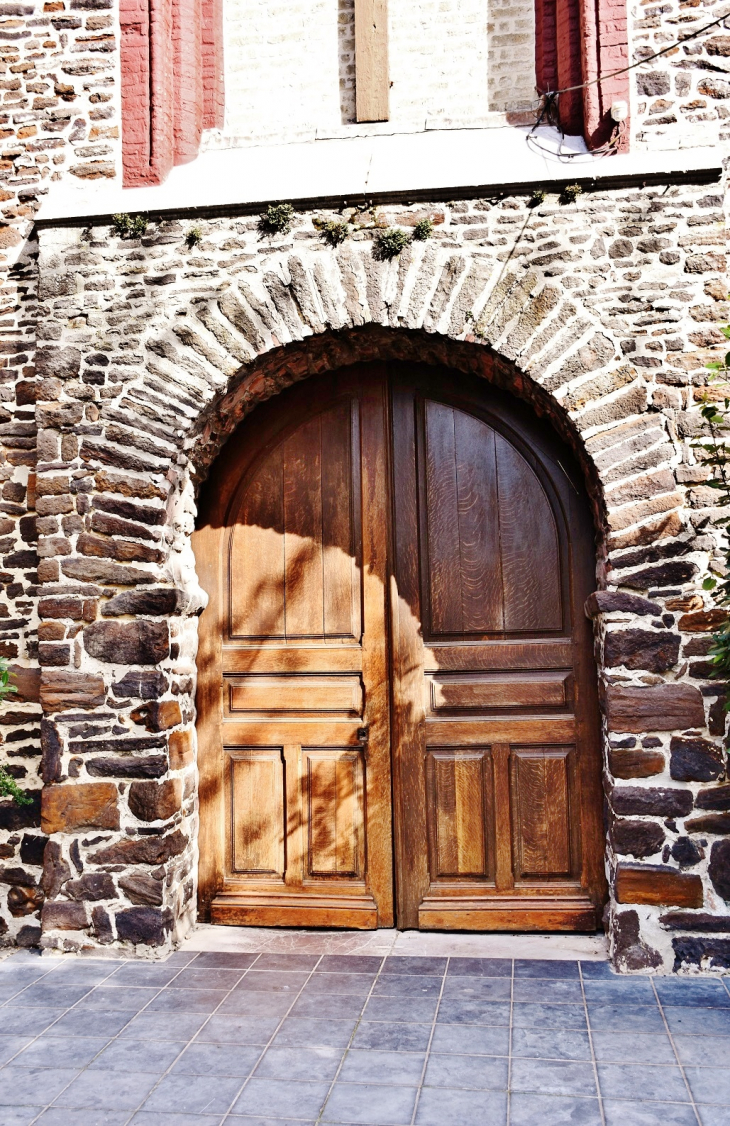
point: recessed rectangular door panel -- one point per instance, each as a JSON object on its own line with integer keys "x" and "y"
{"x": 334, "y": 792}
{"x": 257, "y": 812}
{"x": 295, "y": 695}
{"x": 459, "y": 800}
{"x": 540, "y": 785}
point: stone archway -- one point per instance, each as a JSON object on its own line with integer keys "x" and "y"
{"x": 117, "y": 484}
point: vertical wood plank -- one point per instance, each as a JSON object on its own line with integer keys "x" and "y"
{"x": 256, "y": 556}
{"x": 480, "y": 561}
{"x": 503, "y": 878}
{"x": 444, "y": 562}
{"x": 372, "y": 79}
{"x": 338, "y": 563}
{"x": 302, "y": 454}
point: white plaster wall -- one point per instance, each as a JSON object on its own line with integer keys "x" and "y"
{"x": 290, "y": 67}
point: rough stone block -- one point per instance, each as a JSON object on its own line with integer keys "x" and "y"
{"x": 633, "y": 763}
{"x": 637, "y": 838}
{"x": 128, "y": 643}
{"x": 702, "y": 621}
{"x": 92, "y": 805}
{"x": 153, "y": 801}
{"x": 719, "y": 869}
{"x": 695, "y": 760}
{"x": 664, "y": 707}
{"x": 62, "y": 916}
{"x": 142, "y": 889}
{"x": 65, "y": 691}
{"x": 638, "y": 800}
{"x": 144, "y": 926}
{"x": 717, "y": 797}
{"x": 658, "y": 886}
{"x": 91, "y": 886}
{"x": 607, "y": 601}
{"x": 181, "y": 749}
{"x": 146, "y": 850}
{"x": 655, "y": 651}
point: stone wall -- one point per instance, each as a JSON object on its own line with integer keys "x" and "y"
{"x": 602, "y": 314}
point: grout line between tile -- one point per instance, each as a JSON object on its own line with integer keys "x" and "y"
{"x": 676, "y": 1053}
{"x": 349, "y": 1044}
{"x": 594, "y": 1061}
{"x": 509, "y": 1044}
{"x": 430, "y": 1040}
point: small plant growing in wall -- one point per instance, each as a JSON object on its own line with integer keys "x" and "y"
{"x": 8, "y": 786}
{"x": 277, "y": 219}
{"x": 423, "y": 230}
{"x": 335, "y": 231}
{"x": 129, "y": 226}
{"x": 193, "y": 237}
{"x": 391, "y": 242}
{"x": 538, "y": 197}
{"x": 570, "y": 193}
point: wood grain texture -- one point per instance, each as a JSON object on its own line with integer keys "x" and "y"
{"x": 372, "y": 80}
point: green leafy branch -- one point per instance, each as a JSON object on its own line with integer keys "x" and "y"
{"x": 8, "y": 786}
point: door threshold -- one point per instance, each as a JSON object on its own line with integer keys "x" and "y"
{"x": 380, "y": 943}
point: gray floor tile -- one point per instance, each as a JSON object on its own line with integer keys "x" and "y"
{"x": 406, "y": 985}
{"x": 153, "y": 1118}
{"x": 257, "y": 1004}
{"x": 712, "y": 1115}
{"x": 691, "y": 991}
{"x": 29, "y": 1021}
{"x": 143, "y": 975}
{"x": 370, "y": 1104}
{"x": 239, "y": 1030}
{"x": 7, "y": 991}
{"x": 553, "y": 1077}
{"x": 160, "y": 1026}
{"x": 483, "y": 988}
{"x": 625, "y": 1047}
{"x": 621, "y": 991}
{"x": 28, "y": 1086}
{"x": 701, "y": 1051}
{"x": 223, "y": 960}
{"x": 307, "y": 1032}
{"x": 626, "y": 1018}
{"x": 480, "y": 967}
{"x": 662, "y": 1083}
{"x": 628, "y": 1113}
{"x": 83, "y": 973}
{"x": 548, "y": 1016}
{"x": 597, "y": 971}
{"x": 172, "y": 1000}
{"x": 63, "y": 1116}
{"x": 44, "y": 994}
{"x": 349, "y": 964}
{"x": 147, "y": 1056}
{"x": 411, "y": 1010}
{"x": 280, "y": 1099}
{"x": 202, "y": 978}
{"x": 553, "y": 1110}
{"x": 474, "y": 1040}
{"x": 20, "y": 1115}
{"x": 89, "y": 1023}
{"x": 306, "y": 1064}
{"x": 61, "y": 1051}
{"x": 401, "y": 965}
{"x": 698, "y": 1021}
{"x": 205, "y": 1094}
{"x": 394, "y": 1037}
{"x": 473, "y": 1012}
{"x": 181, "y": 958}
{"x": 271, "y": 981}
{"x": 304, "y": 963}
{"x": 552, "y": 991}
{"x": 11, "y": 1045}
{"x": 710, "y": 1084}
{"x": 441, "y": 1106}
{"x": 362, "y": 1066}
{"x": 120, "y": 998}
{"x": 329, "y": 1005}
{"x": 553, "y": 1043}
{"x": 479, "y": 1073}
{"x": 106, "y": 1090}
{"x": 537, "y": 967}
{"x": 217, "y": 1059}
{"x": 248, "y": 1120}
{"x": 354, "y": 985}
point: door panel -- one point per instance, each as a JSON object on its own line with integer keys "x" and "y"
{"x": 295, "y": 562}
{"x": 495, "y": 757}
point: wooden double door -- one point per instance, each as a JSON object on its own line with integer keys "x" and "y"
{"x": 397, "y": 713}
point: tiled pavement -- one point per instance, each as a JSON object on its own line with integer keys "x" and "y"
{"x": 295, "y": 1039}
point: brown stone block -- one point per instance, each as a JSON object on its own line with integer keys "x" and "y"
{"x": 645, "y": 800}
{"x": 663, "y": 707}
{"x": 142, "y": 889}
{"x": 606, "y": 601}
{"x": 717, "y": 797}
{"x": 152, "y": 801}
{"x": 674, "y": 573}
{"x": 708, "y": 823}
{"x": 703, "y": 621}
{"x": 27, "y": 683}
{"x": 635, "y": 763}
{"x": 658, "y": 887}
{"x": 637, "y": 838}
{"x": 696, "y": 760}
{"x": 655, "y": 651}
{"x": 699, "y": 921}
{"x": 668, "y": 525}
{"x": 719, "y": 868}
{"x": 64, "y": 917}
{"x": 129, "y": 643}
{"x": 181, "y": 749}
{"x": 63, "y": 691}
{"x": 146, "y": 850}
{"x": 159, "y": 716}
{"x": 89, "y": 806}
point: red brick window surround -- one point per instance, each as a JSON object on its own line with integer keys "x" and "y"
{"x": 172, "y": 83}
{"x": 577, "y": 42}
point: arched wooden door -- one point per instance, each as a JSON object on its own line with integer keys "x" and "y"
{"x": 397, "y": 712}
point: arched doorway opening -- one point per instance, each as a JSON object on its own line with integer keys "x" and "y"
{"x": 397, "y": 704}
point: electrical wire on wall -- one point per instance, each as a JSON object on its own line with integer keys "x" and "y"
{"x": 549, "y": 115}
